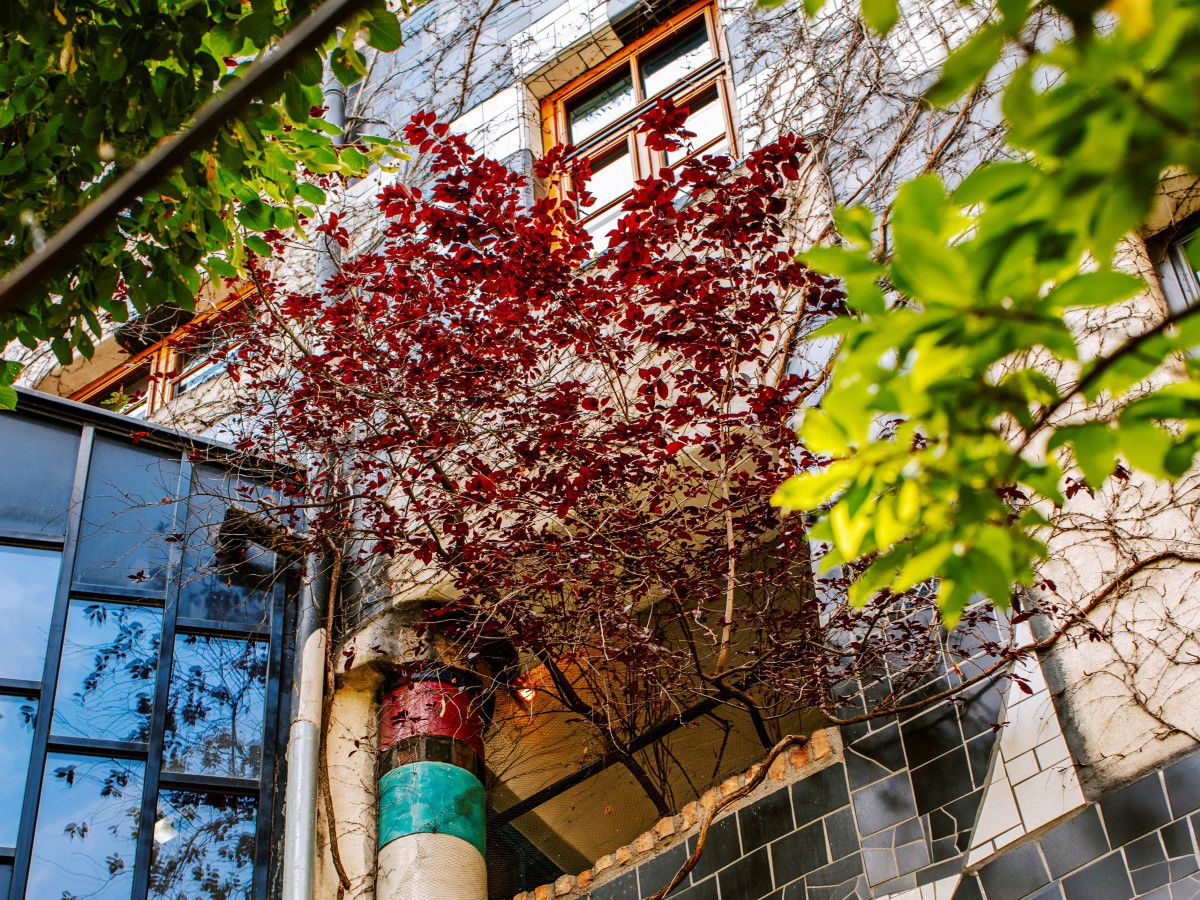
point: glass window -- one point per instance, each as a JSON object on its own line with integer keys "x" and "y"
{"x": 35, "y": 498}
{"x": 87, "y": 827}
{"x": 612, "y": 176}
{"x": 203, "y": 846}
{"x": 28, "y": 583}
{"x": 227, "y": 580}
{"x": 706, "y": 119}
{"x": 682, "y": 53}
{"x": 599, "y": 107}
{"x": 1180, "y": 273}
{"x": 18, "y": 715}
{"x": 106, "y": 679}
{"x": 127, "y": 519}
{"x": 215, "y": 706}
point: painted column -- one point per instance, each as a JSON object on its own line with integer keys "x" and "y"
{"x": 432, "y": 806}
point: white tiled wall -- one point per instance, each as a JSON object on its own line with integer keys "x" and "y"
{"x": 1033, "y": 781}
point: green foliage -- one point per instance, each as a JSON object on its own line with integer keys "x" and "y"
{"x": 90, "y": 86}
{"x": 941, "y": 429}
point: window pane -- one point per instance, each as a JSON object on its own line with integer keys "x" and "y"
{"x": 215, "y": 706}
{"x": 28, "y": 583}
{"x": 600, "y": 226}
{"x": 600, "y": 106}
{"x": 87, "y": 826}
{"x": 233, "y": 586}
{"x": 35, "y": 498}
{"x": 106, "y": 681}
{"x": 17, "y": 718}
{"x": 683, "y": 52}
{"x": 124, "y": 538}
{"x": 612, "y": 176}
{"x": 203, "y": 846}
{"x": 707, "y": 120}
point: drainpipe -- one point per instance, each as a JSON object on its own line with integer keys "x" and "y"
{"x": 304, "y": 735}
{"x": 432, "y": 804}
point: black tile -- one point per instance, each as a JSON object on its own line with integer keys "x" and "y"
{"x": 721, "y": 847}
{"x": 747, "y": 879}
{"x": 938, "y": 871}
{"x": 980, "y": 708}
{"x": 705, "y": 890}
{"x": 839, "y": 828}
{"x": 883, "y": 804}
{"x": 1074, "y": 843}
{"x": 839, "y": 880}
{"x": 898, "y": 885}
{"x": 622, "y": 888}
{"x": 979, "y": 752}
{"x": 797, "y": 891}
{"x": 1182, "y": 866}
{"x": 1177, "y": 839}
{"x": 1050, "y": 892}
{"x": 765, "y": 820}
{"x": 963, "y": 812}
{"x": 1145, "y": 852}
{"x": 1150, "y": 877}
{"x": 819, "y": 794}
{"x": 1183, "y": 785}
{"x": 658, "y": 870}
{"x": 931, "y": 734}
{"x": 799, "y": 853}
{"x": 1105, "y": 879}
{"x": 1135, "y": 809}
{"x": 945, "y": 779}
{"x": 968, "y": 889}
{"x": 1016, "y": 874}
{"x": 875, "y": 756}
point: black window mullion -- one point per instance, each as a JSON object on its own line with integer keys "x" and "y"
{"x": 271, "y": 727}
{"x": 58, "y": 623}
{"x": 166, "y": 651}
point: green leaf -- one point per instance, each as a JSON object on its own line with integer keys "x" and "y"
{"x": 855, "y": 224}
{"x": 881, "y": 15}
{"x": 967, "y": 65}
{"x": 383, "y": 28}
{"x": 310, "y": 192}
{"x": 258, "y": 245}
{"x": 255, "y": 215}
{"x": 296, "y": 99}
{"x": 348, "y": 65}
{"x": 1095, "y": 289}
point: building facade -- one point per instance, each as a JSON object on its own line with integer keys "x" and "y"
{"x": 1071, "y": 775}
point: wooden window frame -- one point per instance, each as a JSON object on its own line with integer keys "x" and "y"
{"x": 160, "y": 362}
{"x": 645, "y": 161}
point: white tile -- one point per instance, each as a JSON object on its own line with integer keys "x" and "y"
{"x": 999, "y": 811}
{"x": 1024, "y": 766}
{"x": 1049, "y": 795}
{"x": 1053, "y": 753}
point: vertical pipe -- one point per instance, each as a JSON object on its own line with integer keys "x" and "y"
{"x": 432, "y": 804}
{"x": 304, "y": 737}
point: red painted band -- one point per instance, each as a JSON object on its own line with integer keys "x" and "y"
{"x": 430, "y": 707}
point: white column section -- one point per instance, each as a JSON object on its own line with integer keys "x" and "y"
{"x": 430, "y": 867}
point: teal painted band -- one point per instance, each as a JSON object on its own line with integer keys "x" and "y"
{"x": 432, "y": 798}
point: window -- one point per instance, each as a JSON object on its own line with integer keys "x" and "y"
{"x": 1179, "y": 272}
{"x": 599, "y": 111}
{"x": 140, "y": 685}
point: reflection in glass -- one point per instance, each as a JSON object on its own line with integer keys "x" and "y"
{"x": 35, "y": 498}
{"x": 87, "y": 824}
{"x": 612, "y": 176}
{"x": 203, "y": 847}
{"x": 215, "y": 706}
{"x": 106, "y": 679}
{"x": 17, "y": 718}
{"x": 127, "y": 519}
{"x": 599, "y": 107}
{"x": 28, "y": 583}
{"x": 684, "y": 52}
{"x": 706, "y": 120}
{"x": 225, "y": 580}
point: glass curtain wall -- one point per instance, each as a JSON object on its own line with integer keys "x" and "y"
{"x": 141, "y": 689}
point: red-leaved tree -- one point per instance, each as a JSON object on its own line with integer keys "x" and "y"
{"x": 573, "y": 455}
